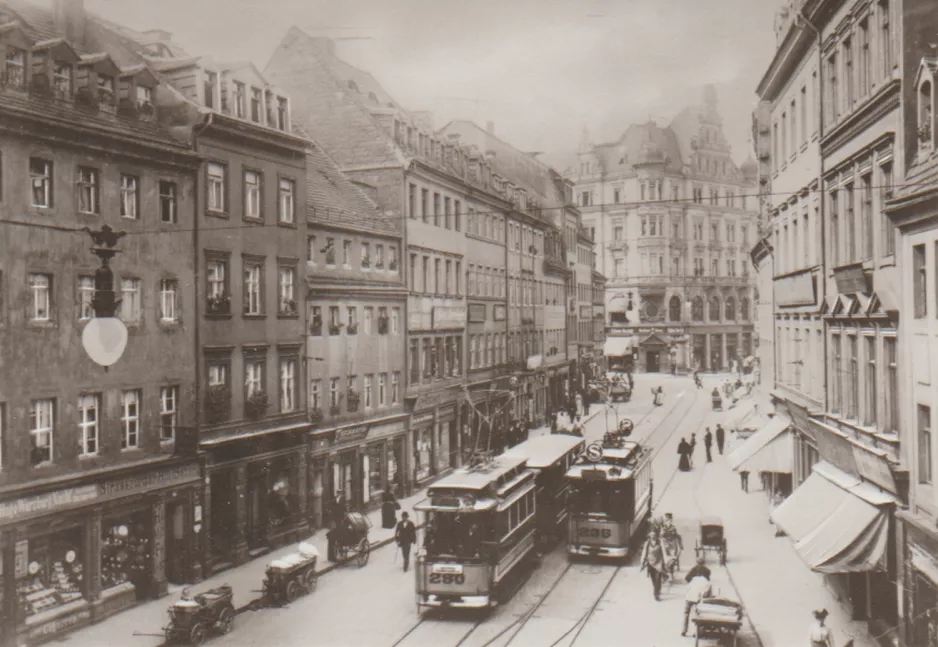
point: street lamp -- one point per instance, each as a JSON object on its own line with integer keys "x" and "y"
{"x": 105, "y": 336}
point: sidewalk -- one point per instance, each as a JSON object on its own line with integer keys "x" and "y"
{"x": 778, "y": 589}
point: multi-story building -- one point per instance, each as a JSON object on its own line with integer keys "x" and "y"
{"x": 674, "y": 220}
{"x": 355, "y": 349}
{"x": 250, "y": 246}
{"x": 838, "y": 101}
{"x": 914, "y": 209}
{"x": 99, "y": 482}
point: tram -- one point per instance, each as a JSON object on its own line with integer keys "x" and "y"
{"x": 610, "y": 498}
{"x": 550, "y": 457}
{"x": 480, "y": 527}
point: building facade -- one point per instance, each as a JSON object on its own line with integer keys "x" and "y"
{"x": 674, "y": 220}
{"x": 355, "y": 349}
{"x": 99, "y": 483}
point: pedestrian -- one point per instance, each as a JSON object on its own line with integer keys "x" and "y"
{"x": 683, "y": 450}
{"x": 406, "y": 536}
{"x": 700, "y": 568}
{"x": 693, "y": 446}
{"x": 698, "y": 588}
{"x": 673, "y": 368}
{"x": 721, "y": 437}
{"x": 653, "y": 561}
{"x": 820, "y": 634}
{"x": 587, "y": 401}
{"x": 389, "y": 509}
{"x": 744, "y": 480}
{"x": 708, "y": 442}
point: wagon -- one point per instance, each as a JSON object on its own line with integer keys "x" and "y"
{"x": 352, "y": 538}
{"x": 711, "y": 538}
{"x": 191, "y": 620}
{"x": 290, "y": 576}
{"x": 620, "y": 393}
{"x": 718, "y": 619}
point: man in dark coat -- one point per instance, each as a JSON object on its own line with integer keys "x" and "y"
{"x": 406, "y": 536}
{"x": 708, "y": 442}
{"x": 721, "y": 437}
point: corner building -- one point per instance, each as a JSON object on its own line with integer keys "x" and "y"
{"x": 674, "y": 219}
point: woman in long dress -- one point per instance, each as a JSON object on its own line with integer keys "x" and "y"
{"x": 684, "y": 450}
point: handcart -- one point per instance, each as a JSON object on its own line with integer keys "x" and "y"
{"x": 717, "y": 619}
{"x": 352, "y": 538}
{"x": 291, "y": 576}
{"x": 711, "y": 538}
{"x": 191, "y": 620}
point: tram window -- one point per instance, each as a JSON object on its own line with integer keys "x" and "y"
{"x": 522, "y": 508}
{"x": 512, "y": 517}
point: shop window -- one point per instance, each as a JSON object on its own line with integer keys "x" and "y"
{"x": 52, "y": 573}
{"x": 375, "y": 458}
{"x": 125, "y": 551}
{"x": 279, "y": 495}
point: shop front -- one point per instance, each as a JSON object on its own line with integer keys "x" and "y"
{"x": 76, "y": 555}
{"x": 436, "y": 433}
{"x": 355, "y": 465}
{"x": 918, "y": 580}
{"x": 255, "y": 492}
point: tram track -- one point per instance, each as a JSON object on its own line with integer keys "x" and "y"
{"x": 515, "y": 628}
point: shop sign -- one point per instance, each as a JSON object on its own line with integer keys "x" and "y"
{"x": 874, "y": 468}
{"x": 852, "y": 279}
{"x": 433, "y": 399}
{"x": 150, "y": 481}
{"x": 796, "y": 290}
{"x": 675, "y": 331}
{"x": 351, "y": 434}
{"x": 41, "y": 503}
{"x": 449, "y": 317}
{"x": 835, "y": 449}
{"x": 499, "y": 312}
{"x": 59, "y": 625}
{"x": 476, "y": 313}
{"x": 389, "y": 429}
{"x": 426, "y": 417}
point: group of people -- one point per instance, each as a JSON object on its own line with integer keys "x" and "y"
{"x": 685, "y": 448}
{"x": 661, "y": 554}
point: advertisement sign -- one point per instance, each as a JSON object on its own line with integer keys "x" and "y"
{"x": 795, "y": 290}
{"x": 852, "y": 279}
{"x": 875, "y": 469}
{"x": 476, "y": 313}
{"x": 449, "y": 317}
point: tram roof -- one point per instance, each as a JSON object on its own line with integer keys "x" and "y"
{"x": 544, "y": 451}
{"x": 592, "y": 471}
{"x": 617, "y": 463}
{"x": 479, "y": 477}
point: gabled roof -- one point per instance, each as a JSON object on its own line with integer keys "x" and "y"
{"x": 37, "y": 21}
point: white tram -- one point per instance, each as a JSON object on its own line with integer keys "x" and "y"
{"x": 480, "y": 526}
{"x": 610, "y": 498}
{"x": 550, "y": 457}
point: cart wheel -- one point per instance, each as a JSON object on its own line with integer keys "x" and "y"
{"x": 197, "y": 634}
{"x": 225, "y": 620}
{"x": 311, "y": 579}
{"x": 292, "y": 592}
{"x": 364, "y": 550}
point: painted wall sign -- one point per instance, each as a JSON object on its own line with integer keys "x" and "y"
{"x": 875, "y": 469}
{"x": 796, "y": 290}
{"x": 426, "y": 417}
{"x": 477, "y": 313}
{"x": 449, "y": 317}
{"x": 852, "y": 279}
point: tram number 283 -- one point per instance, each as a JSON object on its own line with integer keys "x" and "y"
{"x": 605, "y": 533}
{"x": 447, "y": 578}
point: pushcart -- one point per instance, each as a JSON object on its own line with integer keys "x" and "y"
{"x": 191, "y": 620}
{"x": 352, "y": 538}
{"x": 290, "y": 576}
{"x": 711, "y": 538}
{"x": 717, "y": 619}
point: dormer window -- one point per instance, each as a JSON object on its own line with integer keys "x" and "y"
{"x": 14, "y": 72}
{"x": 211, "y": 82}
{"x": 144, "y": 97}
{"x": 255, "y": 105}
{"x": 105, "y": 89}
{"x": 62, "y": 80}
{"x": 239, "y": 100}
{"x": 281, "y": 113}
{"x": 925, "y": 116}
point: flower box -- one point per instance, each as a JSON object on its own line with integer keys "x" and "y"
{"x": 392, "y": 266}
{"x": 334, "y": 329}
{"x": 288, "y": 307}
{"x": 316, "y": 416}
{"x": 218, "y": 305}
{"x": 256, "y": 405}
{"x": 352, "y": 329}
{"x": 335, "y": 410}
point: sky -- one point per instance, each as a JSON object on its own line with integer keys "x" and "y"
{"x": 539, "y": 70}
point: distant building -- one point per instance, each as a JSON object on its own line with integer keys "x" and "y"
{"x": 674, "y": 220}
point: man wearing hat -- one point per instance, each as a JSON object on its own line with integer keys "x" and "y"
{"x": 820, "y": 634}
{"x": 698, "y": 587}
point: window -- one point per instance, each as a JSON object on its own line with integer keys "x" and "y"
{"x": 256, "y": 105}
{"x": 919, "y": 281}
{"x": 41, "y": 430}
{"x": 414, "y": 361}
{"x": 366, "y": 256}
{"x": 369, "y": 319}
{"x": 252, "y": 194}
{"x": 424, "y": 208}
{"x": 885, "y": 38}
{"x": 281, "y": 113}
{"x": 216, "y": 174}
{"x": 395, "y": 387}
{"x": 616, "y": 195}
{"x": 169, "y": 412}
{"x": 286, "y": 305}
{"x": 835, "y": 229}
{"x": 218, "y": 301}
{"x": 837, "y": 396}
{"x": 315, "y": 321}
{"x": 352, "y": 320}
{"x": 891, "y": 410}
{"x": 40, "y": 177}
{"x": 315, "y": 395}
{"x": 869, "y": 417}
{"x": 131, "y": 300}
{"x": 169, "y": 300}
{"x": 888, "y": 228}
{"x": 253, "y": 282}
{"x": 333, "y": 394}
{"x": 287, "y": 385}
{"x": 85, "y": 298}
{"x": 379, "y": 257}
{"x": 863, "y": 59}
{"x": 853, "y": 378}
{"x": 436, "y": 209}
{"x": 412, "y": 201}
{"x": 833, "y": 107}
{"x": 130, "y": 197}
{"x": 287, "y": 207}
{"x": 925, "y": 459}
{"x": 382, "y": 389}
{"x": 457, "y": 215}
{"x": 130, "y": 419}
{"x": 850, "y": 224}
{"x": 714, "y": 309}
{"x": 392, "y": 258}
{"x": 849, "y": 85}
{"x": 334, "y": 325}
{"x": 62, "y": 80}
{"x": 253, "y": 377}
{"x": 368, "y": 391}
{"x": 15, "y": 68}
{"x": 88, "y": 423}
{"x": 89, "y": 189}
{"x": 168, "y": 213}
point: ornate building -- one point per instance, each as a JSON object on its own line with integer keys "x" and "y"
{"x": 673, "y": 218}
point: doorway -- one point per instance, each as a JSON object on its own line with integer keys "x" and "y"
{"x": 652, "y": 362}
{"x": 177, "y": 555}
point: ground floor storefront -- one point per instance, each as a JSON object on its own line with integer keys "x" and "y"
{"x": 79, "y": 554}
{"x": 352, "y": 466}
{"x": 720, "y": 348}
{"x": 918, "y": 580}
{"x": 255, "y": 494}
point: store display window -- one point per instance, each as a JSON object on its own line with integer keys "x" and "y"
{"x": 375, "y": 469}
{"x": 422, "y": 457}
{"x": 125, "y": 551}
{"x": 279, "y": 495}
{"x": 49, "y": 571}
{"x": 395, "y": 465}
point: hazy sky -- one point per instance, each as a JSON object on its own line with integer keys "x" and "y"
{"x": 541, "y": 70}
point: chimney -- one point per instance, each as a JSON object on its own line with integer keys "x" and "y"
{"x": 325, "y": 46}
{"x": 69, "y": 17}
{"x": 490, "y": 127}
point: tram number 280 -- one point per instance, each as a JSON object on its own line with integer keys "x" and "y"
{"x": 447, "y": 578}
{"x": 605, "y": 533}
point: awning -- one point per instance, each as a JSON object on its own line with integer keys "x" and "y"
{"x": 768, "y": 450}
{"x": 617, "y": 346}
{"x": 838, "y": 523}
{"x": 739, "y": 413}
